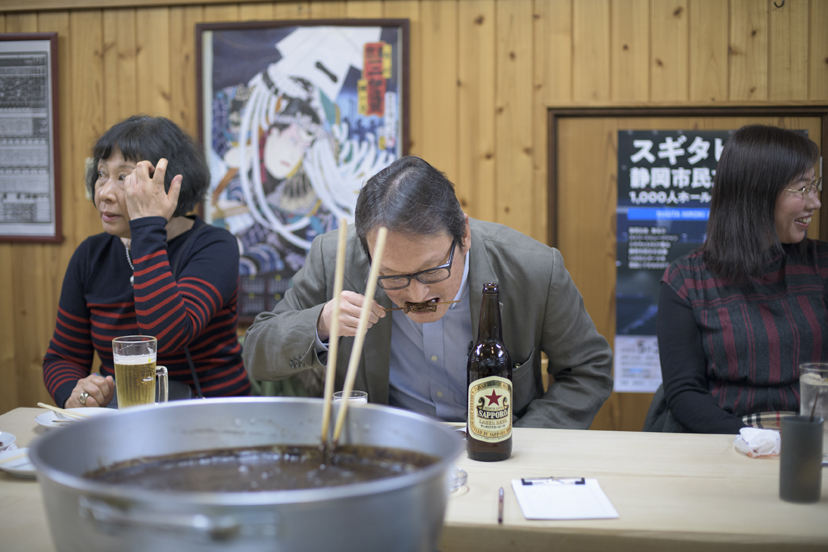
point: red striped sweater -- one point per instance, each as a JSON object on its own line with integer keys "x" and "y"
{"x": 97, "y": 304}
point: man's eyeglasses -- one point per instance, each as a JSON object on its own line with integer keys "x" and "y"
{"x": 429, "y": 276}
{"x": 812, "y": 186}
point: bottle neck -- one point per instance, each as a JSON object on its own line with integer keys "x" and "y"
{"x": 490, "y": 328}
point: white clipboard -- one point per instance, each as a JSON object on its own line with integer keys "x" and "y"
{"x": 569, "y": 498}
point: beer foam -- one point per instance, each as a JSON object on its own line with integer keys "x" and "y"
{"x": 132, "y": 360}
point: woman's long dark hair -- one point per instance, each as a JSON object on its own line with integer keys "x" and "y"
{"x": 758, "y": 162}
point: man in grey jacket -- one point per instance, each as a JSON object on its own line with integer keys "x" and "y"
{"x": 417, "y": 360}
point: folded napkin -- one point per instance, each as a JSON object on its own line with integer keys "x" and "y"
{"x": 758, "y": 442}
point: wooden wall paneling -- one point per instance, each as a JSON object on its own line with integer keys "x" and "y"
{"x": 2, "y": 23}
{"x": 258, "y": 11}
{"x": 513, "y": 116}
{"x": 630, "y": 50}
{"x": 818, "y": 66}
{"x": 220, "y": 13}
{"x": 410, "y": 9}
{"x": 119, "y": 71}
{"x": 437, "y": 89}
{"x": 24, "y": 22}
{"x": 708, "y": 72}
{"x": 553, "y": 51}
{"x": 788, "y": 51}
{"x": 363, "y": 9}
{"x": 748, "y": 50}
{"x": 327, "y": 9}
{"x": 8, "y": 315}
{"x": 475, "y": 182}
{"x": 593, "y": 166}
{"x": 552, "y": 84}
{"x": 591, "y": 51}
{"x": 669, "y": 28}
{"x": 152, "y": 61}
{"x": 291, "y": 10}
{"x": 183, "y": 93}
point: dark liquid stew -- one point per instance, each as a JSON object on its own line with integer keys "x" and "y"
{"x": 273, "y": 468}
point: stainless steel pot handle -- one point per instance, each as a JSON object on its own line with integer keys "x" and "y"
{"x": 109, "y": 517}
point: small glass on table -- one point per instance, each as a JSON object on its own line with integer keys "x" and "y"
{"x": 134, "y": 357}
{"x": 813, "y": 388}
{"x": 355, "y": 397}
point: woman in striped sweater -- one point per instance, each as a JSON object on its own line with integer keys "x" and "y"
{"x": 154, "y": 271}
{"x": 738, "y": 317}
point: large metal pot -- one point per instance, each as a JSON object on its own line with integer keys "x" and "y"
{"x": 399, "y": 513}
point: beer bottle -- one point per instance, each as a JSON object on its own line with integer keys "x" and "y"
{"x": 489, "y": 377}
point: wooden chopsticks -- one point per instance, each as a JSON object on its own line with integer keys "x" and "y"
{"x": 362, "y": 328}
{"x": 63, "y": 411}
{"x": 333, "y": 339}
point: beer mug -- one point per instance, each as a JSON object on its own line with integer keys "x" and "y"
{"x": 134, "y": 357}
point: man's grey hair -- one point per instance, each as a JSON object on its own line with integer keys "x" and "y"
{"x": 409, "y": 197}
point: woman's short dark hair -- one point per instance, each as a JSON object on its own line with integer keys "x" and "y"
{"x": 145, "y": 138}
{"x": 758, "y": 162}
{"x": 409, "y": 196}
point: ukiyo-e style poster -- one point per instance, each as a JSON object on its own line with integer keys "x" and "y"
{"x": 665, "y": 180}
{"x": 295, "y": 120}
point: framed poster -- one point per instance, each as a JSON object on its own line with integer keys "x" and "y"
{"x": 29, "y": 158}
{"x": 295, "y": 116}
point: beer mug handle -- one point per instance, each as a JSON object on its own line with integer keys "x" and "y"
{"x": 163, "y": 380}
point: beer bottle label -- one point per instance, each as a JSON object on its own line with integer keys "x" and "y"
{"x": 490, "y": 409}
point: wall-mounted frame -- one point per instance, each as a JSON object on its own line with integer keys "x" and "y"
{"x": 295, "y": 116}
{"x": 29, "y": 138}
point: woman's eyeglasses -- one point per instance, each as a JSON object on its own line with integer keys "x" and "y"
{"x": 812, "y": 186}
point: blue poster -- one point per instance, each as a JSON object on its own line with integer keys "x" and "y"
{"x": 665, "y": 180}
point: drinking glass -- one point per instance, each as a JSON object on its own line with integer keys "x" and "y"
{"x": 356, "y": 397}
{"x": 135, "y": 370}
{"x": 813, "y": 388}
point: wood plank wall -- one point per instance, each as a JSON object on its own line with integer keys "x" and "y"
{"x": 483, "y": 73}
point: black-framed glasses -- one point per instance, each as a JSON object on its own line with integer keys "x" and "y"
{"x": 428, "y": 276}
{"x": 813, "y": 186}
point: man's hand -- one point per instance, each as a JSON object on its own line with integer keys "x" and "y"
{"x": 145, "y": 195}
{"x": 350, "y": 305}
{"x": 100, "y": 389}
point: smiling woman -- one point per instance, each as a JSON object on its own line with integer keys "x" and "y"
{"x": 153, "y": 271}
{"x": 738, "y": 317}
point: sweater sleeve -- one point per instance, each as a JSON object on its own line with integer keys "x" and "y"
{"x": 70, "y": 352}
{"x": 176, "y": 312}
{"x": 684, "y": 369}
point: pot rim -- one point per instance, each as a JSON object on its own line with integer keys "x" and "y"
{"x": 242, "y": 498}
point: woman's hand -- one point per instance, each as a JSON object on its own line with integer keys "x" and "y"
{"x": 145, "y": 195}
{"x": 100, "y": 389}
{"x": 350, "y": 306}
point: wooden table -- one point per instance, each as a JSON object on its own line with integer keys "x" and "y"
{"x": 673, "y": 492}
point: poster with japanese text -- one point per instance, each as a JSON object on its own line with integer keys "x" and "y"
{"x": 665, "y": 178}
{"x": 295, "y": 119}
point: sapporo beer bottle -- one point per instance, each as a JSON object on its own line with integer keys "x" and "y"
{"x": 489, "y": 423}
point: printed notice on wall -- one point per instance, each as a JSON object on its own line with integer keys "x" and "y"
{"x": 665, "y": 178}
{"x": 27, "y": 189}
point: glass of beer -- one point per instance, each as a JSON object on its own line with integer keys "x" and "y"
{"x": 135, "y": 370}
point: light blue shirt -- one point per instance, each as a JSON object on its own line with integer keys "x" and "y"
{"x": 428, "y": 361}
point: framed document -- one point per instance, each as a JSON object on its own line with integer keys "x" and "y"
{"x": 29, "y": 148}
{"x": 295, "y": 116}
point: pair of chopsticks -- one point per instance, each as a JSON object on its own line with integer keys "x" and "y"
{"x": 14, "y": 457}
{"x": 362, "y": 328}
{"x": 63, "y": 411}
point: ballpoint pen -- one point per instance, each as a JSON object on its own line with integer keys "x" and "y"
{"x": 500, "y": 506}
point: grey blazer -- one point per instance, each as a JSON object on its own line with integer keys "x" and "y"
{"x": 541, "y": 308}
